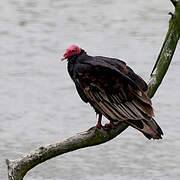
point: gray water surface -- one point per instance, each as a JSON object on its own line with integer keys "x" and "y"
{"x": 38, "y": 101}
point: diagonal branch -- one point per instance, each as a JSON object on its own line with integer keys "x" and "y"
{"x": 18, "y": 168}
{"x": 167, "y": 51}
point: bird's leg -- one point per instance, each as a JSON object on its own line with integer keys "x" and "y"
{"x": 99, "y": 125}
{"x": 109, "y": 125}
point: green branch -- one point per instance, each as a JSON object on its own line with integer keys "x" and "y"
{"x": 164, "y": 59}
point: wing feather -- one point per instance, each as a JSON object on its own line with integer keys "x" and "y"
{"x": 114, "y": 106}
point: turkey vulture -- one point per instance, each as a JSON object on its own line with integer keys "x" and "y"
{"x": 113, "y": 90}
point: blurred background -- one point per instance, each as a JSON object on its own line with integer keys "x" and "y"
{"x": 38, "y": 101}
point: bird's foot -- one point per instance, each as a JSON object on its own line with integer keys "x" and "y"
{"x": 106, "y": 127}
{"x": 99, "y": 126}
{"x": 109, "y": 125}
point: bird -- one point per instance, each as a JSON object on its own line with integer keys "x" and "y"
{"x": 113, "y": 89}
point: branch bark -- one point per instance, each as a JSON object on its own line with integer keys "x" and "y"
{"x": 18, "y": 168}
{"x": 164, "y": 59}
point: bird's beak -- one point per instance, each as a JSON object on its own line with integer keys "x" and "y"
{"x": 63, "y": 58}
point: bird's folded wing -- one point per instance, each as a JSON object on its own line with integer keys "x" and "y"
{"x": 113, "y": 93}
{"x": 116, "y": 65}
{"x": 118, "y": 106}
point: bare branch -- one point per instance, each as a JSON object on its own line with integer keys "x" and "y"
{"x": 18, "y": 168}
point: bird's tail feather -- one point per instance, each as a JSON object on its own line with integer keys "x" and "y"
{"x": 149, "y": 128}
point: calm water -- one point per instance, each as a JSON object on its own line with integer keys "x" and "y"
{"x": 38, "y": 101}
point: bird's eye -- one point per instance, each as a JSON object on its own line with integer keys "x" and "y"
{"x": 73, "y": 50}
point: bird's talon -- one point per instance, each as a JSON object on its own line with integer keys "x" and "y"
{"x": 99, "y": 126}
{"x": 109, "y": 125}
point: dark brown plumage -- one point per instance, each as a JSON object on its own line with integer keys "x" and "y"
{"x": 113, "y": 90}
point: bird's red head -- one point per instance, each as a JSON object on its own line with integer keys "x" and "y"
{"x": 71, "y": 51}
